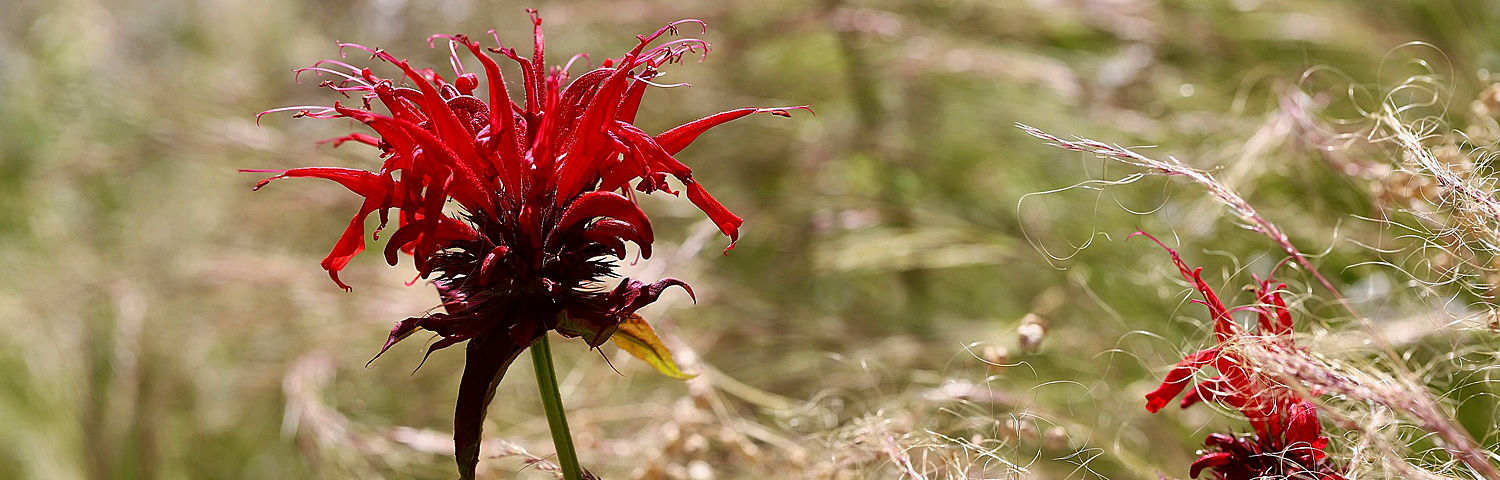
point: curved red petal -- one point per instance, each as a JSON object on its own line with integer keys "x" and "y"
{"x": 612, "y": 232}
{"x": 1177, "y": 379}
{"x": 632, "y": 294}
{"x": 728, "y": 222}
{"x": 1216, "y": 459}
{"x": 399, "y": 332}
{"x": 678, "y": 138}
{"x": 1224, "y": 326}
{"x": 1302, "y": 424}
{"x": 603, "y": 205}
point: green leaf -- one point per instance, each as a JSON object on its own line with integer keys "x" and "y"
{"x": 636, "y": 336}
{"x": 572, "y": 328}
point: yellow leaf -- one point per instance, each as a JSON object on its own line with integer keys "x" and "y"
{"x": 637, "y": 337}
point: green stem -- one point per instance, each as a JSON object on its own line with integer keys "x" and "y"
{"x": 546, "y": 383}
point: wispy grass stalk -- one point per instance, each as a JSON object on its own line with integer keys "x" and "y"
{"x": 1405, "y": 394}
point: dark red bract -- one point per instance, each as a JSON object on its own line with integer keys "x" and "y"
{"x": 1286, "y": 439}
{"x": 542, "y": 190}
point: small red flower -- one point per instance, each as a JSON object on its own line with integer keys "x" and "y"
{"x": 1286, "y": 441}
{"x": 542, "y": 190}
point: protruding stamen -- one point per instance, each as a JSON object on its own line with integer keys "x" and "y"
{"x": 672, "y": 51}
{"x": 339, "y": 87}
{"x": 569, "y": 65}
{"x": 376, "y": 52}
{"x": 671, "y": 28}
{"x": 351, "y": 68}
{"x": 661, "y": 85}
{"x": 458, "y": 65}
{"x": 353, "y": 137}
{"x": 321, "y": 70}
{"x": 315, "y": 111}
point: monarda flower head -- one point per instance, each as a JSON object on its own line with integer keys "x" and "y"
{"x": 543, "y": 190}
{"x": 1286, "y": 440}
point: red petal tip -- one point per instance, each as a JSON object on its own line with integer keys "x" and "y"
{"x": 334, "y": 274}
{"x": 1217, "y": 459}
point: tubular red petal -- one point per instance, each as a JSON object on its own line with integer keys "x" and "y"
{"x": 616, "y": 175}
{"x": 455, "y": 138}
{"x": 1224, "y": 326}
{"x": 1317, "y": 448}
{"x": 1177, "y": 378}
{"x": 353, "y": 137}
{"x": 610, "y": 97}
{"x": 573, "y": 173}
{"x": 1209, "y": 390}
{"x": 1283, "y": 325}
{"x": 431, "y": 209}
{"x": 449, "y": 230}
{"x": 1218, "y": 440}
{"x": 656, "y": 157}
{"x": 403, "y": 103}
{"x": 632, "y": 294}
{"x": 399, "y": 332}
{"x": 728, "y": 222}
{"x": 1302, "y": 424}
{"x": 533, "y": 100}
{"x": 386, "y": 127}
{"x": 606, "y": 205}
{"x": 570, "y": 135}
{"x": 502, "y": 122}
{"x": 490, "y": 260}
{"x": 474, "y": 193}
{"x": 1216, "y": 459}
{"x": 363, "y": 183}
{"x": 351, "y": 243}
{"x": 611, "y": 232}
{"x": 631, "y": 104}
{"x": 676, "y": 139}
{"x": 573, "y": 104}
{"x": 538, "y": 50}
{"x": 405, "y": 235}
{"x": 1273, "y": 316}
{"x": 375, "y": 188}
{"x": 591, "y": 161}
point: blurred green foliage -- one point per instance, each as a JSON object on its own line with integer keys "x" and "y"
{"x": 157, "y": 309}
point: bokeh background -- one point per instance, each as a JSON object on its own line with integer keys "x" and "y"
{"x": 163, "y": 321}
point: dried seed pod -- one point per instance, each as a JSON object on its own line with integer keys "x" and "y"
{"x": 1056, "y": 438}
{"x": 1022, "y": 430}
{"x": 1489, "y": 100}
{"x": 1031, "y": 332}
{"x": 695, "y": 443}
{"x": 699, "y": 470}
{"x": 996, "y": 358}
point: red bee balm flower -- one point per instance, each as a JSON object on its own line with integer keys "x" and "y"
{"x": 543, "y": 197}
{"x": 1287, "y": 440}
